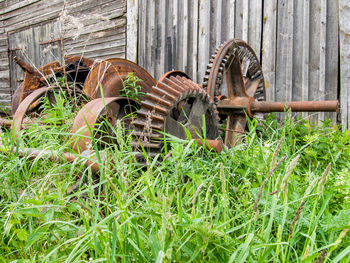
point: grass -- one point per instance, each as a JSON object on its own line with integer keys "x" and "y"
{"x": 281, "y": 196}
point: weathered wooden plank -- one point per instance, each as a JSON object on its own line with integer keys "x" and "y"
{"x": 141, "y": 33}
{"x": 269, "y": 47}
{"x": 168, "y": 48}
{"x": 176, "y": 40}
{"x": 254, "y": 25}
{"x": 332, "y": 45}
{"x": 203, "y": 38}
{"x": 185, "y": 35}
{"x": 284, "y": 51}
{"x": 344, "y": 14}
{"x": 298, "y": 43}
{"x": 19, "y": 5}
{"x": 322, "y": 47}
{"x": 230, "y": 16}
{"x": 194, "y": 26}
{"x": 315, "y": 53}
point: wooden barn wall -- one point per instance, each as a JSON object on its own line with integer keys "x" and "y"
{"x": 94, "y": 29}
{"x": 345, "y": 60}
{"x": 296, "y": 41}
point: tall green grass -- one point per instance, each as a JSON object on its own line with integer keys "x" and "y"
{"x": 280, "y": 196}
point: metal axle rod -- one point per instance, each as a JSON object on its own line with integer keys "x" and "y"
{"x": 252, "y": 106}
{"x": 295, "y": 106}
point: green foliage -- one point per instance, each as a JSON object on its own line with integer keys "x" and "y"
{"x": 131, "y": 87}
{"x": 196, "y": 205}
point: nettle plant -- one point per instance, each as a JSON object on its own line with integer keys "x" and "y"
{"x": 131, "y": 87}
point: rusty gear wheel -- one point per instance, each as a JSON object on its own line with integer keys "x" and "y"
{"x": 174, "y": 105}
{"x": 220, "y": 67}
{"x": 234, "y": 70}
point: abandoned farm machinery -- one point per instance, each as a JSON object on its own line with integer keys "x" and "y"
{"x": 232, "y": 90}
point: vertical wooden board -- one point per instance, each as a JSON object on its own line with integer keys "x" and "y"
{"x": 269, "y": 47}
{"x": 284, "y": 51}
{"x": 142, "y": 33}
{"x": 332, "y": 45}
{"x": 315, "y": 53}
{"x": 322, "y": 63}
{"x": 230, "y": 20}
{"x": 298, "y": 43}
{"x": 305, "y": 53}
{"x": 239, "y": 19}
{"x": 245, "y": 19}
{"x": 180, "y": 35}
{"x": 153, "y": 33}
{"x": 344, "y": 14}
{"x": 174, "y": 20}
{"x": 203, "y": 38}
{"x": 194, "y": 25}
{"x": 132, "y": 27}
{"x": 185, "y": 35}
{"x": 254, "y": 25}
{"x": 212, "y": 26}
{"x": 160, "y": 28}
{"x": 218, "y": 22}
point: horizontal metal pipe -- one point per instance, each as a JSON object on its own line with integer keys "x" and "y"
{"x": 295, "y": 106}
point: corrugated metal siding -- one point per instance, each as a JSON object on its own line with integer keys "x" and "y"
{"x": 94, "y": 29}
{"x": 297, "y": 41}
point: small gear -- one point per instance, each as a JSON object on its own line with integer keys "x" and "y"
{"x": 175, "y": 105}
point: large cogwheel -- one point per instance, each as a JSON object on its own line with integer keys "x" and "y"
{"x": 175, "y": 105}
{"x": 219, "y": 70}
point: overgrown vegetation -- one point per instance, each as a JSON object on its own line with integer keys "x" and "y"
{"x": 281, "y": 196}
{"x": 132, "y": 88}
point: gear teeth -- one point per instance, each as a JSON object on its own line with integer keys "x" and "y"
{"x": 155, "y": 108}
{"x": 152, "y": 135}
{"x": 157, "y": 99}
{"x": 141, "y": 122}
{"x": 169, "y": 89}
{"x": 151, "y": 106}
{"x": 154, "y": 116}
{"x": 163, "y": 94}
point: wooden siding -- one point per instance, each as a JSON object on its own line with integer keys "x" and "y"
{"x": 344, "y": 9}
{"x": 296, "y": 40}
{"x": 94, "y": 29}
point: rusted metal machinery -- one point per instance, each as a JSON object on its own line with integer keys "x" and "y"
{"x": 233, "y": 88}
{"x": 234, "y": 79}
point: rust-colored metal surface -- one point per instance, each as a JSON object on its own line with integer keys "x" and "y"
{"x": 295, "y": 106}
{"x": 24, "y": 106}
{"x": 109, "y": 76}
{"x": 235, "y": 82}
{"x": 88, "y": 123}
{"x": 76, "y": 69}
{"x": 175, "y": 105}
{"x": 216, "y": 145}
{"x": 234, "y": 71}
{"x": 173, "y": 73}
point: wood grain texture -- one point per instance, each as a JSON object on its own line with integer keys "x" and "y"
{"x": 344, "y": 14}
{"x": 95, "y": 29}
